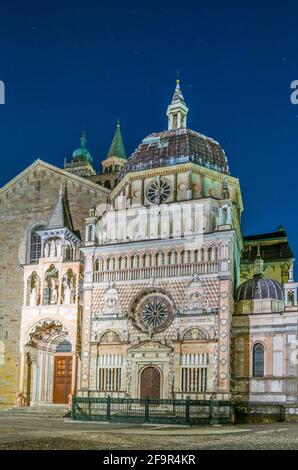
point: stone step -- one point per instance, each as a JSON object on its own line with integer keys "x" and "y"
{"x": 42, "y": 411}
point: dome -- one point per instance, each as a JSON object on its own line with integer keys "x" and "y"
{"x": 176, "y": 146}
{"x": 259, "y": 288}
{"x": 82, "y": 153}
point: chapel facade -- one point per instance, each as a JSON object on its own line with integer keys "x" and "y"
{"x": 157, "y": 293}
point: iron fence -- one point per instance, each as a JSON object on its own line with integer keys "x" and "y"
{"x": 150, "y": 410}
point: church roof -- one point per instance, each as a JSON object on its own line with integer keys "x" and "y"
{"x": 273, "y": 246}
{"x": 176, "y": 146}
{"x": 61, "y": 217}
{"x": 117, "y": 148}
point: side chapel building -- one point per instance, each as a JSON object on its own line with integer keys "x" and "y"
{"x": 139, "y": 282}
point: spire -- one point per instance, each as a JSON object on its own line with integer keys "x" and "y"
{"x": 117, "y": 148}
{"x": 178, "y": 96}
{"x": 61, "y": 217}
{"x": 177, "y": 110}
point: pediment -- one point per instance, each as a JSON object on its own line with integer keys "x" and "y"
{"x": 57, "y": 172}
{"x": 151, "y": 346}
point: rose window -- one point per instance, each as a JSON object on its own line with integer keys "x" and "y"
{"x": 159, "y": 191}
{"x": 155, "y": 312}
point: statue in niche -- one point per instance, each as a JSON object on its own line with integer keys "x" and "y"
{"x": 67, "y": 292}
{"x": 47, "y": 250}
{"x": 50, "y": 294}
{"x": 59, "y": 248}
{"x": 54, "y": 290}
{"x": 33, "y": 290}
{"x": 68, "y": 288}
{"x": 33, "y": 297}
{"x": 53, "y": 249}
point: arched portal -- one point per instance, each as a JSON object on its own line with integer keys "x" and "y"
{"x": 48, "y": 372}
{"x": 150, "y": 382}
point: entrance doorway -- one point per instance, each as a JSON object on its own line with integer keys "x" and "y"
{"x": 62, "y": 378}
{"x": 150, "y": 382}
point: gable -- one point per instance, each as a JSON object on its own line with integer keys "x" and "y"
{"x": 40, "y": 165}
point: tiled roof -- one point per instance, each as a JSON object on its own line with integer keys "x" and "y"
{"x": 60, "y": 217}
{"x": 176, "y": 146}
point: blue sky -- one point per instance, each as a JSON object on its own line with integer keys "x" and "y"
{"x": 69, "y": 66}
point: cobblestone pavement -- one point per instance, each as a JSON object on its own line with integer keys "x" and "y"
{"x": 35, "y": 433}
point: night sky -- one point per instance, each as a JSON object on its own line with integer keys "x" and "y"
{"x": 74, "y": 65}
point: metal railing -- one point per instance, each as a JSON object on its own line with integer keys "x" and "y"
{"x": 150, "y": 410}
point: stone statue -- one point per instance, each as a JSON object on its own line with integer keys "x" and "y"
{"x": 54, "y": 293}
{"x": 33, "y": 297}
{"x": 21, "y": 400}
{"x": 59, "y": 248}
{"x": 46, "y": 250}
{"x": 67, "y": 294}
{"x": 53, "y": 249}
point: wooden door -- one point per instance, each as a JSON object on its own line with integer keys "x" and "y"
{"x": 150, "y": 383}
{"x": 62, "y": 378}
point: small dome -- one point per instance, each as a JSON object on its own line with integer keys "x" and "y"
{"x": 259, "y": 288}
{"x": 82, "y": 153}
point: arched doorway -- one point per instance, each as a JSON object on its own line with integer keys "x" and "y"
{"x": 150, "y": 382}
{"x": 48, "y": 372}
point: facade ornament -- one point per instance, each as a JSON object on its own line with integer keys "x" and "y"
{"x": 111, "y": 302}
{"x": 196, "y": 299}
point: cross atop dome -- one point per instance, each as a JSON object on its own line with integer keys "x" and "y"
{"x": 177, "y": 110}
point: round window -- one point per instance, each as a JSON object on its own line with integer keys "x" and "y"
{"x": 155, "y": 312}
{"x": 159, "y": 191}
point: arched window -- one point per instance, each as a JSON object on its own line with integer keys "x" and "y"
{"x": 35, "y": 245}
{"x": 258, "y": 360}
